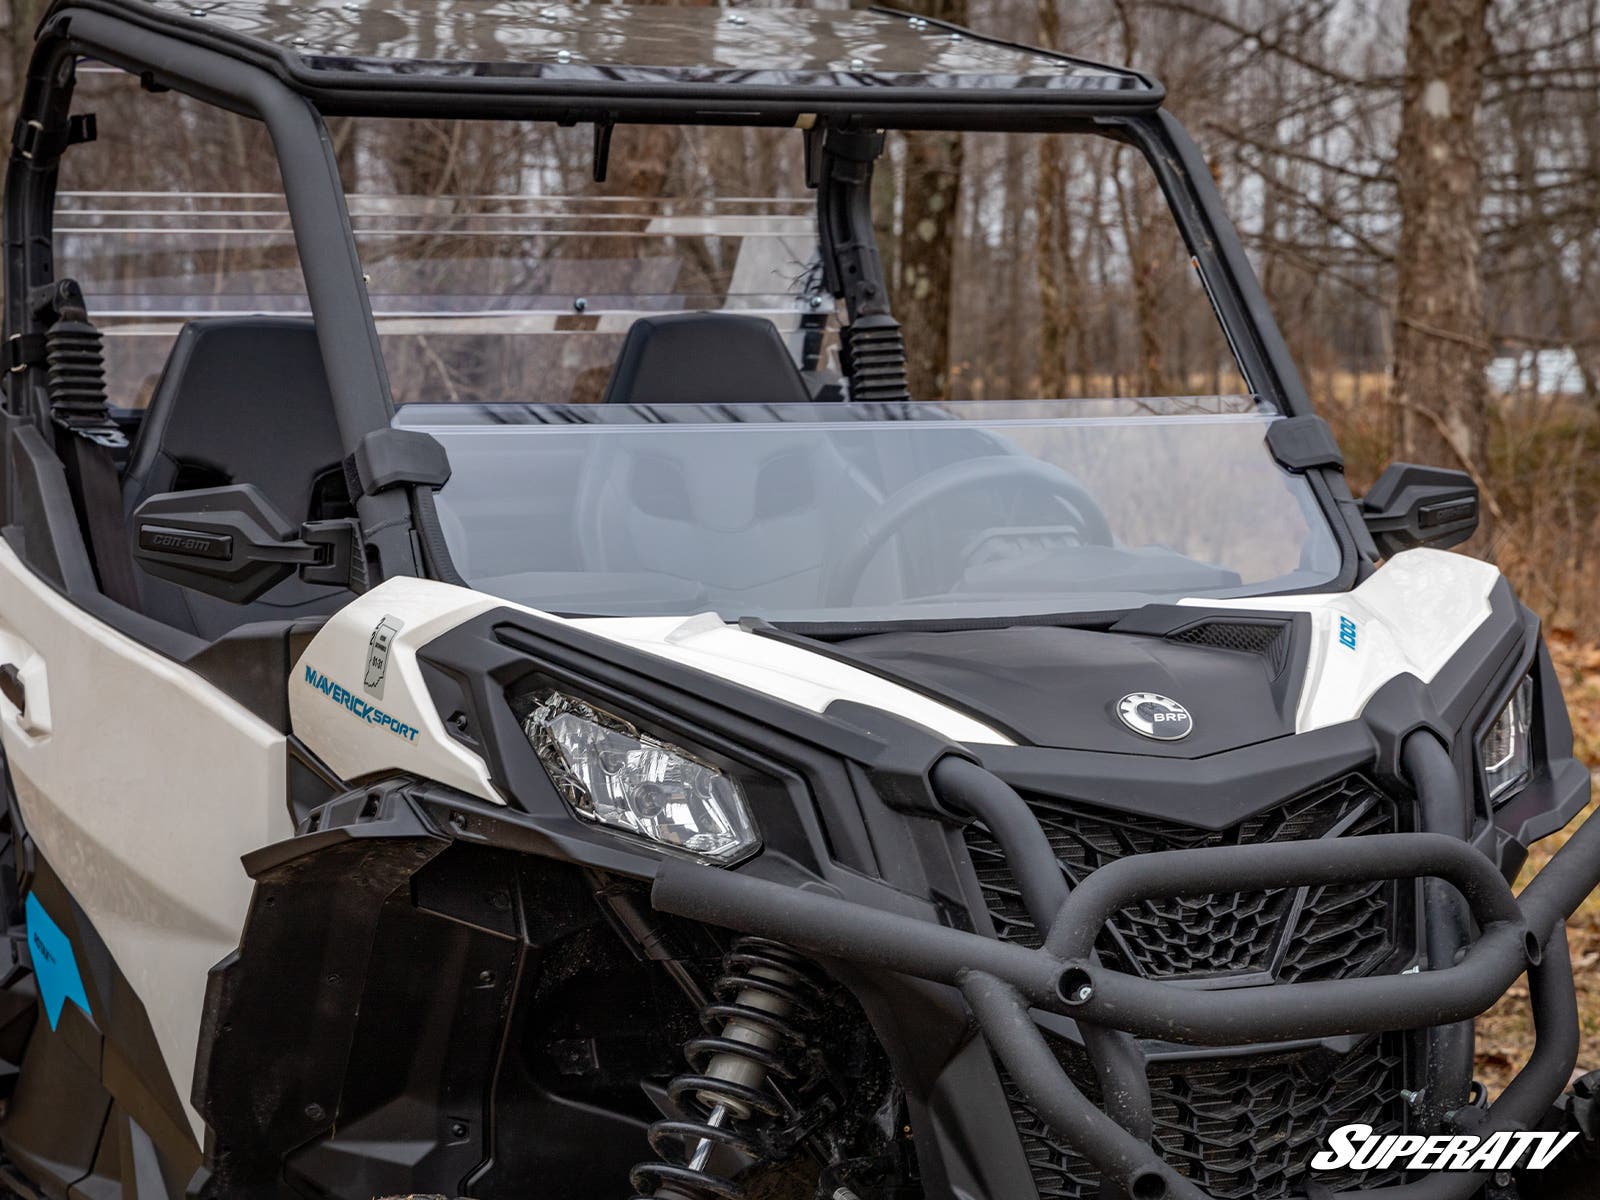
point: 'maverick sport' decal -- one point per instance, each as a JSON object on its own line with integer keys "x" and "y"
{"x": 370, "y": 713}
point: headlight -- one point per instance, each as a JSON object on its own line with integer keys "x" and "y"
{"x": 1507, "y": 749}
{"x": 613, "y": 775}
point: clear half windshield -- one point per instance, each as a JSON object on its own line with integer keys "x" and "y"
{"x": 870, "y": 513}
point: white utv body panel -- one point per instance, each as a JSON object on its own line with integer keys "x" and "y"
{"x": 1409, "y": 618}
{"x": 359, "y": 733}
{"x": 142, "y": 785}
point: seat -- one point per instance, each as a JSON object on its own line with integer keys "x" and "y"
{"x": 705, "y": 358}
{"x": 241, "y": 400}
{"x": 744, "y": 524}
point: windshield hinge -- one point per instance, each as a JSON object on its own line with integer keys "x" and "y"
{"x": 388, "y": 458}
{"x": 1303, "y": 444}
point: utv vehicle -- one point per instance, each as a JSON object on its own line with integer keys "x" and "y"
{"x": 762, "y": 781}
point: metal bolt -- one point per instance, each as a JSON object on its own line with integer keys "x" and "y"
{"x": 857, "y": 64}
{"x": 580, "y": 304}
{"x": 844, "y": 1193}
{"x": 458, "y": 1129}
{"x": 299, "y": 41}
{"x": 815, "y": 301}
{"x": 197, "y": 12}
{"x": 955, "y": 37}
{"x": 739, "y": 19}
{"x": 918, "y": 23}
{"x": 486, "y": 977}
{"x": 1084, "y": 994}
{"x": 563, "y": 56}
{"x": 314, "y": 1112}
{"x": 1502, "y": 1179}
{"x": 1412, "y": 1099}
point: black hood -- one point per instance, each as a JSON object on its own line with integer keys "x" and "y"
{"x": 1237, "y": 675}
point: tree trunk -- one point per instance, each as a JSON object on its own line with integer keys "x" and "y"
{"x": 1137, "y": 201}
{"x": 1059, "y": 293}
{"x": 18, "y": 19}
{"x": 1441, "y": 340}
{"x": 928, "y": 232}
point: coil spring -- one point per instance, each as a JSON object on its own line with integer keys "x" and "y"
{"x": 752, "y": 1035}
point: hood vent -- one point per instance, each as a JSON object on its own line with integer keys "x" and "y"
{"x": 1270, "y": 640}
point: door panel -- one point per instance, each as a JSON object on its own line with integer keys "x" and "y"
{"x": 141, "y": 785}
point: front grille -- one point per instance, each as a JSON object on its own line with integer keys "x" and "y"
{"x": 1292, "y": 934}
{"x": 1239, "y": 1127}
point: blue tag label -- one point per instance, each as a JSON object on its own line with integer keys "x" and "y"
{"x": 54, "y": 964}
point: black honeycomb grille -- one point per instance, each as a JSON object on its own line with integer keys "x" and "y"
{"x": 1269, "y": 639}
{"x": 1291, "y": 934}
{"x": 1241, "y": 1129}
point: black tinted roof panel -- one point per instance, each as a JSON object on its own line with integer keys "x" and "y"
{"x": 619, "y": 43}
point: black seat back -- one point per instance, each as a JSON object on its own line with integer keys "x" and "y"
{"x": 705, "y": 358}
{"x": 242, "y": 400}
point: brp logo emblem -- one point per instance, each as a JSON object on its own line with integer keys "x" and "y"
{"x": 1154, "y": 716}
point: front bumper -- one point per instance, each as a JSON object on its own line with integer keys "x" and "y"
{"x": 1001, "y": 982}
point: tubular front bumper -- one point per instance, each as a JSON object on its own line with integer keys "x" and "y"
{"x": 1002, "y": 981}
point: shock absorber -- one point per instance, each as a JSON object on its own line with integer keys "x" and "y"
{"x": 752, "y": 1039}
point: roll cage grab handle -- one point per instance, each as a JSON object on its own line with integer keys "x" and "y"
{"x": 1002, "y": 981}
{"x": 393, "y": 468}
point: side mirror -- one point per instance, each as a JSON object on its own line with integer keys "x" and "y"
{"x": 230, "y": 542}
{"x": 1413, "y": 506}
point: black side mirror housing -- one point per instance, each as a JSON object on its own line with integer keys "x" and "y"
{"x": 1413, "y": 506}
{"x": 230, "y": 542}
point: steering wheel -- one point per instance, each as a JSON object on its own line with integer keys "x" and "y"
{"x": 843, "y": 572}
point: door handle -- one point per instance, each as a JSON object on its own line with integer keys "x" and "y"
{"x": 12, "y": 687}
{"x": 25, "y": 687}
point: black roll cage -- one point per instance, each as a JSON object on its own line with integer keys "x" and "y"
{"x": 258, "y": 80}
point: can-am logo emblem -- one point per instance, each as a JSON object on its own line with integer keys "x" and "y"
{"x": 1154, "y": 716}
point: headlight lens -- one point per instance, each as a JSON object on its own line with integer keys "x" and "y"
{"x": 1507, "y": 749}
{"x": 613, "y": 775}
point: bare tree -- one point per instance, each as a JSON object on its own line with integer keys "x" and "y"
{"x": 1441, "y": 341}
{"x": 927, "y": 243}
{"x": 1059, "y": 321}
{"x": 17, "y": 21}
